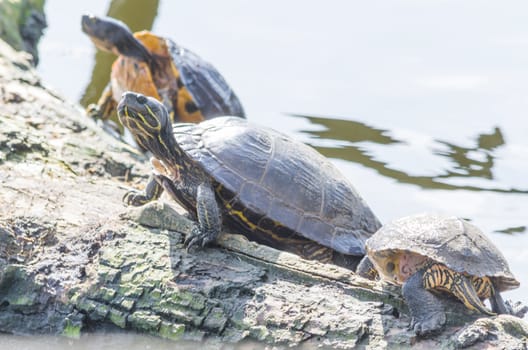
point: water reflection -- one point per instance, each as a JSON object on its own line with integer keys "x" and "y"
{"x": 138, "y": 15}
{"x": 476, "y": 161}
{"x": 513, "y": 230}
{"x": 350, "y": 139}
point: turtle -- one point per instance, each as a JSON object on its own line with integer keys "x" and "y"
{"x": 231, "y": 174}
{"x": 189, "y": 87}
{"x": 430, "y": 254}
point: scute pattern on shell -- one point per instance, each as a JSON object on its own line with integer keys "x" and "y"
{"x": 211, "y": 93}
{"x": 450, "y": 240}
{"x": 296, "y": 185}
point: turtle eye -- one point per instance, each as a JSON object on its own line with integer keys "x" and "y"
{"x": 141, "y": 99}
{"x": 390, "y": 267}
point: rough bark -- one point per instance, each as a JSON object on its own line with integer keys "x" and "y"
{"x": 73, "y": 258}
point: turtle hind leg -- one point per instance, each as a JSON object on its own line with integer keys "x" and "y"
{"x": 209, "y": 218}
{"x": 438, "y": 276}
{"x": 427, "y": 311}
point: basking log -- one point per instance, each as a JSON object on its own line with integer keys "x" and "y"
{"x": 73, "y": 258}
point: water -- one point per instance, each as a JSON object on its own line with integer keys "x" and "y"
{"x": 422, "y": 105}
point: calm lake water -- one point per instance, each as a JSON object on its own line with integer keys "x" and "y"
{"x": 423, "y": 105}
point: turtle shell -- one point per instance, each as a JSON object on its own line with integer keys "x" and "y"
{"x": 208, "y": 89}
{"x": 449, "y": 240}
{"x": 186, "y": 84}
{"x": 280, "y": 179}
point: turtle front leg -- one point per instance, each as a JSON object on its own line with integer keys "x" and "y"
{"x": 427, "y": 311}
{"x": 137, "y": 198}
{"x": 209, "y": 219}
{"x": 499, "y": 306}
{"x": 366, "y": 269}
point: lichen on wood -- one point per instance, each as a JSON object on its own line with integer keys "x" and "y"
{"x": 73, "y": 258}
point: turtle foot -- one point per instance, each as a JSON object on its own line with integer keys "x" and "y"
{"x": 433, "y": 323}
{"x": 517, "y": 309}
{"x": 135, "y": 198}
{"x": 198, "y": 238}
{"x": 93, "y": 111}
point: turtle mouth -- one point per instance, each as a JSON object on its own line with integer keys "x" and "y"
{"x": 148, "y": 120}
{"x": 104, "y": 45}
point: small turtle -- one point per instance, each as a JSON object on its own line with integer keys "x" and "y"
{"x": 250, "y": 179}
{"x": 189, "y": 87}
{"x": 428, "y": 253}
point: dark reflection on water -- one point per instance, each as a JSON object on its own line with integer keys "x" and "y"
{"x": 465, "y": 165}
{"x": 469, "y": 162}
{"x": 513, "y": 230}
{"x": 138, "y": 15}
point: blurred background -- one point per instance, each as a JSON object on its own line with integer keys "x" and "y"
{"x": 423, "y": 105}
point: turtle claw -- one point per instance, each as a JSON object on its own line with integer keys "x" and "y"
{"x": 93, "y": 111}
{"x": 517, "y": 309}
{"x": 197, "y": 238}
{"x": 135, "y": 198}
{"x": 430, "y": 325}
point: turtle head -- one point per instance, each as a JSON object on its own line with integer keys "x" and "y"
{"x": 111, "y": 35}
{"x": 396, "y": 265}
{"x": 149, "y": 122}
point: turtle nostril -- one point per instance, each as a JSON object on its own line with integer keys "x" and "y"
{"x": 141, "y": 99}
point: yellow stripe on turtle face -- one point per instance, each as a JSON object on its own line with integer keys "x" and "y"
{"x": 154, "y": 117}
{"x": 438, "y": 276}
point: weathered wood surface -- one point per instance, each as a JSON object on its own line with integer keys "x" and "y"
{"x": 73, "y": 258}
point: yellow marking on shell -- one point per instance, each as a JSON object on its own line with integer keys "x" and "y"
{"x": 129, "y": 74}
{"x": 141, "y": 79}
{"x": 252, "y": 226}
{"x": 183, "y": 97}
{"x": 320, "y": 253}
{"x": 152, "y": 42}
{"x": 241, "y": 216}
